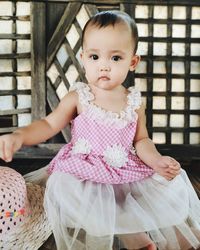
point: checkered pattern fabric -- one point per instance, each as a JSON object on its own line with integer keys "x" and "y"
{"x": 92, "y": 166}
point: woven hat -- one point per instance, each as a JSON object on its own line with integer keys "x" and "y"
{"x": 23, "y": 222}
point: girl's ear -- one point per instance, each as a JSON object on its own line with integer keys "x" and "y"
{"x": 81, "y": 58}
{"x": 81, "y": 55}
{"x": 134, "y": 62}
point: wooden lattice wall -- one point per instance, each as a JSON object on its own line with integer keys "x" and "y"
{"x": 168, "y": 76}
{"x": 15, "y": 65}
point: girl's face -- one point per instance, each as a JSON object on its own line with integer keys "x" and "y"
{"x": 108, "y": 55}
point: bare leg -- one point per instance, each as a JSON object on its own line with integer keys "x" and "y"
{"x": 151, "y": 246}
{"x": 137, "y": 241}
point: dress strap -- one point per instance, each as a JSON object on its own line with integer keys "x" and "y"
{"x": 108, "y": 117}
{"x": 85, "y": 96}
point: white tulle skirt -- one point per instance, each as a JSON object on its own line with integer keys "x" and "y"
{"x": 87, "y": 215}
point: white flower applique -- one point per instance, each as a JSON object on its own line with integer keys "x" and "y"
{"x": 81, "y": 146}
{"x": 115, "y": 156}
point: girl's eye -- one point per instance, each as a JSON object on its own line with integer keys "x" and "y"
{"x": 116, "y": 58}
{"x": 94, "y": 57}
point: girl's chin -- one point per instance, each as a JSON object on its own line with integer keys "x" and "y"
{"x": 106, "y": 85}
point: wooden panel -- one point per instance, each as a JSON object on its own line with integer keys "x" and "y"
{"x": 53, "y": 103}
{"x": 38, "y": 22}
{"x": 54, "y": 12}
{"x": 62, "y": 28}
{"x": 15, "y": 69}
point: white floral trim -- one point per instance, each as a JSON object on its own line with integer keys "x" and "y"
{"x": 81, "y": 146}
{"x": 83, "y": 90}
{"x": 108, "y": 117}
{"x": 115, "y": 156}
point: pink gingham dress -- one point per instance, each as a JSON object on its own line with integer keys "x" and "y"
{"x": 101, "y": 146}
{"x": 99, "y": 188}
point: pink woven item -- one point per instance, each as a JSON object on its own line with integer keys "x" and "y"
{"x": 23, "y": 222}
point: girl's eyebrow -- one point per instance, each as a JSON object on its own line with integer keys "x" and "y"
{"x": 118, "y": 52}
{"x": 91, "y": 50}
{"x": 111, "y": 52}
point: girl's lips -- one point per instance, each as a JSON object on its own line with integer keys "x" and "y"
{"x": 104, "y": 78}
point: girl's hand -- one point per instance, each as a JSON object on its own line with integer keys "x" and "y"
{"x": 167, "y": 167}
{"x": 9, "y": 144}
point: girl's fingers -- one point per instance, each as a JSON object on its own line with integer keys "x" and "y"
{"x": 169, "y": 177}
{"x": 175, "y": 164}
{"x": 175, "y": 168}
{"x": 172, "y": 174}
{"x": 2, "y": 150}
{"x": 8, "y": 151}
{"x": 174, "y": 171}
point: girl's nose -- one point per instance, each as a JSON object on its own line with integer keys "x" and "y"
{"x": 105, "y": 68}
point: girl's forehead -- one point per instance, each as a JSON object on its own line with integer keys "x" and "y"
{"x": 117, "y": 27}
{"x": 119, "y": 33}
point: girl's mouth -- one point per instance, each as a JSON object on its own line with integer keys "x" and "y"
{"x": 104, "y": 78}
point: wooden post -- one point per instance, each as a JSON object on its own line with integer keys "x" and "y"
{"x": 38, "y": 59}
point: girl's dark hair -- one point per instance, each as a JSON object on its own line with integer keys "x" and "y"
{"x": 106, "y": 18}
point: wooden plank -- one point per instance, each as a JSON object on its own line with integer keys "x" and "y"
{"x": 7, "y": 130}
{"x": 75, "y": 62}
{"x": 54, "y": 12}
{"x": 15, "y": 92}
{"x": 168, "y": 65}
{"x": 169, "y": 39}
{"x": 147, "y": 2}
{"x": 15, "y": 36}
{"x": 61, "y": 73}
{"x": 169, "y": 129}
{"x": 161, "y": 111}
{"x": 91, "y": 9}
{"x": 15, "y": 18}
{"x": 187, "y": 66}
{"x": 17, "y": 55}
{"x": 53, "y": 103}
{"x": 172, "y": 58}
{"x": 41, "y": 151}
{"x": 14, "y": 111}
{"x": 180, "y": 152}
{"x": 164, "y": 76}
{"x": 62, "y": 28}
{"x": 14, "y": 67}
{"x": 164, "y": 20}
{"x": 38, "y": 67}
{"x": 73, "y": 59}
{"x": 22, "y": 73}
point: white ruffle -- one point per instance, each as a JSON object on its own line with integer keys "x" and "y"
{"x": 81, "y": 146}
{"x": 115, "y": 156}
{"x": 108, "y": 210}
{"x": 108, "y": 117}
{"x": 83, "y": 90}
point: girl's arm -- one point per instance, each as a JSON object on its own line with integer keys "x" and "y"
{"x": 145, "y": 148}
{"x": 41, "y": 130}
{"x": 147, "y": 152}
